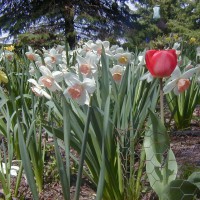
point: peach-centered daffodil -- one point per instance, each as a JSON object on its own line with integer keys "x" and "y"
{"x": 37, "y": 89}
{"x": 87, "y": 65}
{"x": 50, "y": 79}
{"x": 180, "y": 82}
{"x": 117, "y": 73}
{"x": 79, "y": 90}
{"x": 31, "y": 55}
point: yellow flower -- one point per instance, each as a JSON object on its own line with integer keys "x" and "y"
{"x": 9, "y": 48}
{"x": 3, "y": 77}
{"x": 192, "y": 40}
{"x": 175, "y": 36}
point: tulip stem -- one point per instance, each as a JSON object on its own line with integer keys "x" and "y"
{"x": 161, "y": 101}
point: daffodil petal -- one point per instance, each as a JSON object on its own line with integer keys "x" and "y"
{"x": 45, "y": 71}
{"x": 89, "y": 85}
{"x": 57, "y": 75}
{"x": 176, "y": 73}
{"x": 169, "y": 86}
{"x": 175, "y": 90}
{"x": 190, "y": 72}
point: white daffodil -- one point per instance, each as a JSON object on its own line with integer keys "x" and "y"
{"x": 147, "y": 76}
{"x": 123, "y": 58}
{"x": 88, "y": 65}
{"x": 198, "y": 52}
{"x": 63, "y": 68}
{"x": 97, "y": 47}
{"x": 79, "y": 90}
{"x": 13, "y": 169}
{"x": 50, "y": 79}
{"x": 52, "y": 58}
{"x": 60, "y": 48}
{"x": 8, "y": 55}
{"x": 117, "y": 73}
{"x": 31, "y": 55}
{"x": 179, "y": 82}
{"x": 113, "y": 49}
{"x": 176, "y": 45}
{"x": 86, "y": 47}
{"x": 141, "y": 58}
{"x": 37, "y": 89}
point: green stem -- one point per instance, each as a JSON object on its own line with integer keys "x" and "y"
{"x": 139, "y": 175}
{"x": 67, "y": 130}
{"x": 161, "y": 101}
{"x": 83, "y": 149}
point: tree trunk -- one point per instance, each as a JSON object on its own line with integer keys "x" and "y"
{"x": 69, "y": 25}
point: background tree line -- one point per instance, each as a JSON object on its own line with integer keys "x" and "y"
{"x": 37, "y": 22}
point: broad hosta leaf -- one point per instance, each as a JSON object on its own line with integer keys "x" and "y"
{"x": 161, "y": 165}
{"x": 195, "y": 179}
{"x": 181, "y": 189}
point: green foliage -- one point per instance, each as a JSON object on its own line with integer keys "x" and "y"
{"x": 177, "y": 17}
{"x": 36, "y": 39}
{"x": 183, "y": 105}
{"x": 161, "y": 166}
{"x": 181, "y": 189}
{"x": 21, "y": 123}
{"x": 107, "y": 152}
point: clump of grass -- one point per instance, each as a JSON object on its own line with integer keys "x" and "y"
{"x": 187, "y": 169}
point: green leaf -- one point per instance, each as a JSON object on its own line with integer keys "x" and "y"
{"x": 61, "y": 169}
{"x": 159, "y": 136}
{"x": 27, "y": 164}
{"x": 161, "y": 165}
{"x": 195, "y": 179}
{"x": 180, "y": 189}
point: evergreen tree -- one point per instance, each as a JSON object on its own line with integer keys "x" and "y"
{"x": 178, "y": 18}
{"x": 94, "y": 19}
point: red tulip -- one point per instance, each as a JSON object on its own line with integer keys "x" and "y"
{"x": 161, "y": 63}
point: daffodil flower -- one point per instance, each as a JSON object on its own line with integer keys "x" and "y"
{"x": 52, "y": 58}
{"x": 37, "y": 89}
{"x": 147, "y": 76}
{"x": 198, "y": 52}
{"x": 50, "y": 79}
{"x": 79, "y": 90}
{"x": 179, "y": 82}
{"x": 117, "y": 73}
{"x": 123, "y": 58}
{"x": 8, "y": 55}
{"x": 3, "y": 77}
{"x": 9, "y": 48}
{"x": 31, "y": 55}
{"x": 87, "y": 66}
